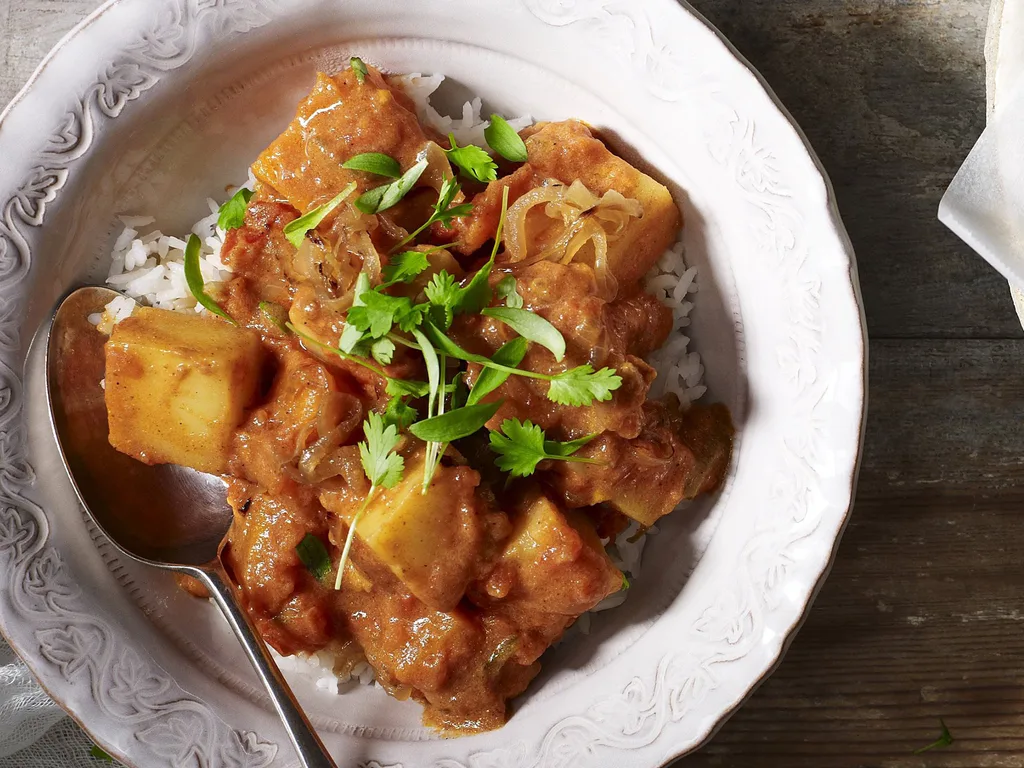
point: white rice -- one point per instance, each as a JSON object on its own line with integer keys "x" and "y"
{"x": 148, "y": 268}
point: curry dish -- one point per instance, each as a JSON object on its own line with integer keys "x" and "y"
{"x": 425, "y": 386}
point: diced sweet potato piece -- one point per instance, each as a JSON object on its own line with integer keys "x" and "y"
{"x": 177, "y": 386}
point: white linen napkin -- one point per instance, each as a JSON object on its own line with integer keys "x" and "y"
{"x": 984, "y": 205}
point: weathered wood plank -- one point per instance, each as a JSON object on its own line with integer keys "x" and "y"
{"x": 944, "y": 415}
{"x": 920, "y": 620}
{"x": 28, "y": 29}
{"x": 892, "y": 97}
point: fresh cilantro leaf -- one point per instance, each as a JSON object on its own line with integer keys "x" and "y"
{"x": 520, "y": 449}
{"x": 311, "y": 341}
{"x": 407, "y": 388}
{"x": 314, "y": 556}
{"x": 376, "y": 163}
{"x": 477, "y": 293}
{"x": 582, "y": 385}
{"x": 388, "y": 195}
{"x": 532, "y": 326}
{"x": 296, "y": 230}
{"x": 944, "y": 740}
{"x": 383, "y": 467}
{"x": 507, "y": 291}
{"x": 460, "y": 392}
{"x": 443, "y": 294}
{"x": 359, "y": 68}
{"x": 232, "y": 213}
{"x": 276, "y": 315}
{"x": 98, "y": 753}
{"x": 404, "y": 267}
{"x": 523, "y": 446}
{"x": 503, "y": 139}
{"x": 562, "y": 450}
{"x": 511, "y": 355}
{"x": 472, "y": 161}
{"x": 400, "y": 413}
{"x": 456, "y": 424}
{"x": 577, "y": 387}
{"x": 383, "y": 351}
{"x": 444, "y": 211}
{"x": 352, "y": 336}
{"x": 379, "y": 312}
{"x": 369, "y": 201}
{"x": 194, "y": 279}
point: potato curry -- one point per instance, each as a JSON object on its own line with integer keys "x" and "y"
{"x": 426, "y": 390}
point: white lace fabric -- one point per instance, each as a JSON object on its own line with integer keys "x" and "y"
{"x": 34, "y": 731}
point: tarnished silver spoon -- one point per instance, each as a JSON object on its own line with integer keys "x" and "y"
{"x": 165, "y": 516}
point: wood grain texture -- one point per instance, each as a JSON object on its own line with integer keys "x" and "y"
{"x": 923, "y": 614}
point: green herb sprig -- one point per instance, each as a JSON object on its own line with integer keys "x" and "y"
{"x": 314, "y": 555}
{"x": 380, "y": 199}
{"x": 295, "y": 231}
{"x": 376, "y": 163}
{"x": 359, "y": 68}
{"x": 944, "y": 740}
{"x": 444, "y": 211}
{"x": 472, "y": 161}
{"x": 232, "y": 214}
{"x": 383, "y": 468}
{"x": 194, "y": 279}
{"x": 503, "y": 139}
{"x": 524, "y": 445}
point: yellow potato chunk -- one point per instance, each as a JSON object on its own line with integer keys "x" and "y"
{"x": 177, "y": 386}
{"x": 434, "y": 543}
{"x": 553, "y": 569}
{"x": 568, "y": 151}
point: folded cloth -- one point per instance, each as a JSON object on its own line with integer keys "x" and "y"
{"x": 985, "y": 203}
{"x": 35, "y": 732}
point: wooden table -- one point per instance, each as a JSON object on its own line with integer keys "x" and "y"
{"x": 923, "y": 616}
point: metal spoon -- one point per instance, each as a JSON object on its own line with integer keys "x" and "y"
{"x": 165, "y": 516}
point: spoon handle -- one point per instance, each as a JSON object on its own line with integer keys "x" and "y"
{"x": 311, "y": 751}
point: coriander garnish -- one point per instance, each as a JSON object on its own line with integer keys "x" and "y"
{"x": 276, "y": 315}
{"x": 510, "y": 355}
{"x": 507, "y": 291}
{"x": 523, "y": 446}
{"x": 472, "y": 161}
{"x": 383, "y": 468}
{"x": 944, "y": 740}
{"x": 456, "y": 424}
{"x": 531, "y": 326}
{"x": 314, "y": 556}
{"x": 444, "y": 211}
{"x": 232, "y": 213}
{"x": 359, "y": 68}
{"x": 194, "y": 279}
{"x": 376, "y": 163}
{"x": 503, "y": 139}
{"x": 405, "y": 267}
{"x": 296, "y": 230}
{"x": 387, "y": 196}
{"x": 578, "y": 386}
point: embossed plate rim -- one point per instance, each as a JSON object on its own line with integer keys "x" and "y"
{"x": 555, "y": 749}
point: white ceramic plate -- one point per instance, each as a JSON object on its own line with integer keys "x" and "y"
{"x": 152, "y": 105}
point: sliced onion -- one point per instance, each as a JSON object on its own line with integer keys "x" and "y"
{"x": 584, "y": 218}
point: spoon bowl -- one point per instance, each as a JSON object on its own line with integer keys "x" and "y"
{"x": 165, "y": 516}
